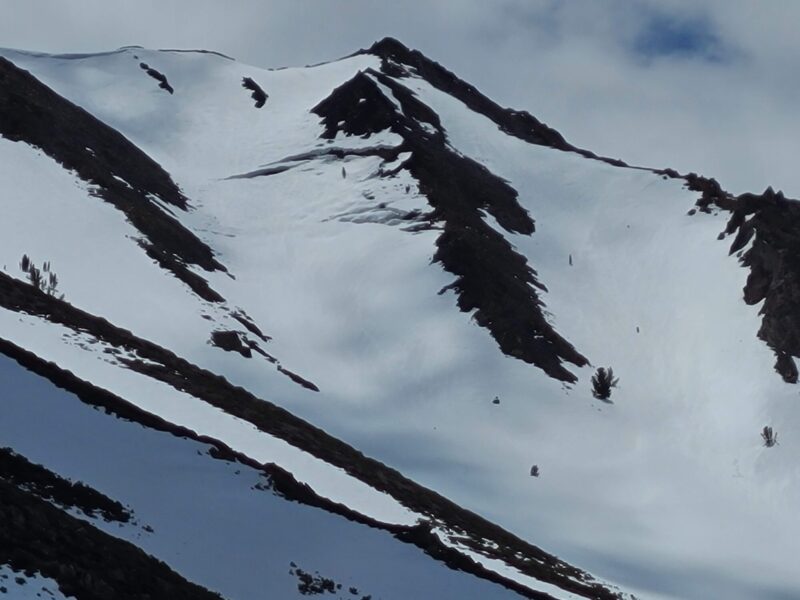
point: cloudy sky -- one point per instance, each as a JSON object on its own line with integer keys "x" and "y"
{"x": 698, "y": 85}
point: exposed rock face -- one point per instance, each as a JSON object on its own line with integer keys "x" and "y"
{"x": 770, "y": 224}
{"x": 43, "y": 483}
{"x": 230, "y": 341}
{"x": 491, "y": 277}
{"x": 400, "y": 61}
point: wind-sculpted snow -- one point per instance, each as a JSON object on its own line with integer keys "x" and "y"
{"x": 357, "y": 213}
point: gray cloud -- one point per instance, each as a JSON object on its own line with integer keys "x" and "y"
{"x": 706, "y": 86}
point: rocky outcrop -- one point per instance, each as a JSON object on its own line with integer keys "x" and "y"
{"x": 258, "y": 94}
{"x": 158, "y": 76}
{"x": 492, "y": 279}
{"x": 770, "y": 224}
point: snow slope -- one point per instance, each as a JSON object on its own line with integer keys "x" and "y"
{"x": 322, "y": 252}
{"x": 216, "y": 522}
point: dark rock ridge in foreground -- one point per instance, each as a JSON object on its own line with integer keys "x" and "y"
{"x": 43, "y": 483}
{"x": 86, "y": 563}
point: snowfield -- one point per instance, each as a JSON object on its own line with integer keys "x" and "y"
{"x": 667, "y": 492}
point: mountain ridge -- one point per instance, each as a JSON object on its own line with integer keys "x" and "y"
{"x": 369, "y": 184}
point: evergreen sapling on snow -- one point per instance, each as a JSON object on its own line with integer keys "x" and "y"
{"x": 602, "y": 382}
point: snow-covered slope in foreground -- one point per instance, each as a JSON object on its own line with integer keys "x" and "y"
{"x": 387, "y": 255}
{"x": 222, "y": 524}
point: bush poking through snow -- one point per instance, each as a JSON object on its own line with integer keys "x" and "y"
{"x": 602, "y": 382}
{"x": 770, "y": 437}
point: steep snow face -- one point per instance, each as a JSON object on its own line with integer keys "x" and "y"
{"x": 668, "y": 491}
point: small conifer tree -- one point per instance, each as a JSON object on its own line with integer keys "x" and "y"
{"x": 769, "y": 436}
{"x": 35, "y": 277}
{"x": 52, "y": 284}
{"x": 602, "y": 382}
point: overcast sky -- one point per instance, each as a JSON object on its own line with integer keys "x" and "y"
{"x": 705, "y": 85}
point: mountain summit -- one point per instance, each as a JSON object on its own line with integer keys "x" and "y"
{"x": 355, "y": 330}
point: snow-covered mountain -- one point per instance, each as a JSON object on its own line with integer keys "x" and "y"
{"x": 332, "y": 330}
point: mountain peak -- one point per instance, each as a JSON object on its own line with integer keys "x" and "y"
{"x": 389, "y": 46}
